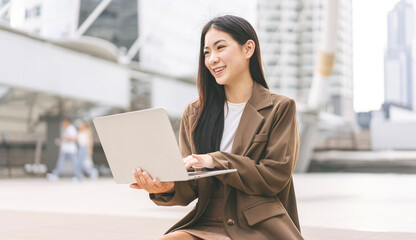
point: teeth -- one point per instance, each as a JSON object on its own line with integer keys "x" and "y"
{"x": 219, "y": 69}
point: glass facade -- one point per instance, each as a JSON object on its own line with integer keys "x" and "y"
{"x": 398, "y": 58}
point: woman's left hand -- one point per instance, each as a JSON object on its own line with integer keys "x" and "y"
{"x": 199, "y": 161}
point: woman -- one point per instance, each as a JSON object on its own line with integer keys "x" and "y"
{"x": 236, "y": 123}
{"x": 85, "y": 150}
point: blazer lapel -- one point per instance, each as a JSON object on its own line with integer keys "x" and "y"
{"x": 251, "y": 119}
{"x": 249, "y": 124}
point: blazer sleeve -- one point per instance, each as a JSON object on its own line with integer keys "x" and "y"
{"x": 185, "y": 191}
{"x": 270, "y": 175}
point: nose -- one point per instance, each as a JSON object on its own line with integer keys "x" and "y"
{"x": 213, "y": 59}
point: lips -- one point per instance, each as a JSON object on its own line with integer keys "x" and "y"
{"x": 218, "y": 70}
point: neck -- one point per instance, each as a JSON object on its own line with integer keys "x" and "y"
{"x": 240, "y": 91}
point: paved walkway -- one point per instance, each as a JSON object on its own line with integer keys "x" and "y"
{"x": 364, "y": 161}
{"x": 331, "y": 206}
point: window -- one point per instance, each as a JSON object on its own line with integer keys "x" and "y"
{"x": 33, "y": 12}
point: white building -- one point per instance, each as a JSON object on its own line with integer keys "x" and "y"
{"x": 396, "y": 129}
{"x": 399, "y": 63}
{"x": 290, "y": 32}
{"x": 49, "y": 19}
{"x": 169, "y": 32}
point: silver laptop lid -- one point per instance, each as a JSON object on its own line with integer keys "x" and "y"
{"x": 142, "y": 139}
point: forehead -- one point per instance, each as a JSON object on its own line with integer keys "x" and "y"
{"x": 213, "y": 35}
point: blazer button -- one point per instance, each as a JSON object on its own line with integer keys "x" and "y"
{"x": 230, "y": 222}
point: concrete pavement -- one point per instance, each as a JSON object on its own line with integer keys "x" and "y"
{"x": 331, "y": 206}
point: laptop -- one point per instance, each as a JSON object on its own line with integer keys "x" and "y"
{"x": 144, "y": 139}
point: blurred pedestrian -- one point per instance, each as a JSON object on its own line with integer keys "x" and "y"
{"x": 68, "y": 150}
{"x": 85, "y": 150}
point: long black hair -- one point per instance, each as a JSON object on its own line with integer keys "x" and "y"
{"x": 209, "y": 126}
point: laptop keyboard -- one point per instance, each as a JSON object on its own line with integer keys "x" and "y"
{"x": 194, "y": 173}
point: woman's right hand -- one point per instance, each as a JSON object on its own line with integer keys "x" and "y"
{"x": 146, "y": 182}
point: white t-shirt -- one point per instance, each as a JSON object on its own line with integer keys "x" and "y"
{"x": 232, "y": 116}
{"x": 69, "y": 146}
{"x": 82, "y": 139}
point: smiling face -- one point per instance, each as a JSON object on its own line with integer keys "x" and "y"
{"x": 224, "y": 57}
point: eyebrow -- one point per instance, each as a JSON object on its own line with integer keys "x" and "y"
{"x": 218, "y": 41}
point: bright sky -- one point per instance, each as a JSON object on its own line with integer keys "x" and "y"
{"x": 369, "y": 43}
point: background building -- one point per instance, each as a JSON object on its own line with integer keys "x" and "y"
{"x": 118, "y": 23}
{"x": 290, "y": 32}
{"x": 394, "y": 126}
{"x": 164, "y": 40}
{"x": 49, "y": 19}
{"x": 399, "y": 56}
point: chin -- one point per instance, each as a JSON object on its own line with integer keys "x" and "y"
{"x": 221, "y": 81}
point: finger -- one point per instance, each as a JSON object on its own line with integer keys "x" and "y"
{"x": 204, "y": 160}
{"x": 191, "y": 163}
{"x": 187, "y": 158}
{"x": 136, "y": 176}
{"x": 140, "y": 180}
{"x": 148, "y": 179}
{"x": 141, "y": 177}
{"x": 199, "y": 157}
{"x": 157, "y": 182}
{"x": 135, "y": 186}
{"x": 188, "y": 163}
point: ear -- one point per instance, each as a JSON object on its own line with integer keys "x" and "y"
{"x": 249, "y": 48}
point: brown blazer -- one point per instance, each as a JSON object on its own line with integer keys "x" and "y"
{"x": 259, "y": 199}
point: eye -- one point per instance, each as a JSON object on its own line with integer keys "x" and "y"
{"x": 220, "y": 46}
{"x": 206, "y": 53}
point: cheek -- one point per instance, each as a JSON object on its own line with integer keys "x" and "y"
{"x": 228, "y": 57}
{"x": 207, "y": 63}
